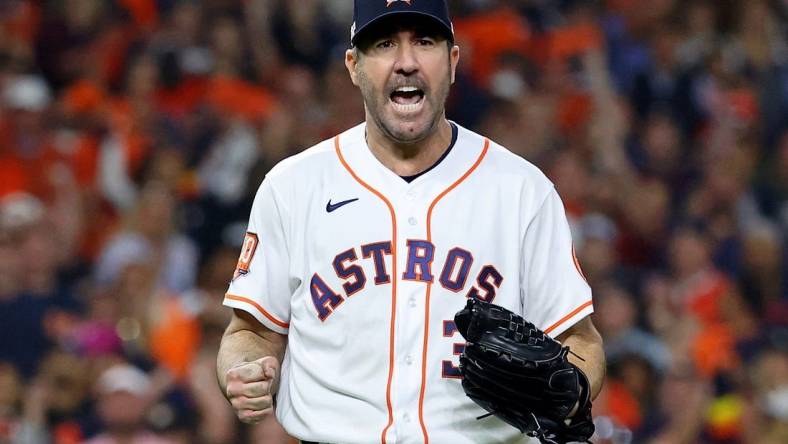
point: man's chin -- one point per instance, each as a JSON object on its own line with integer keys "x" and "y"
{"x": 407, "y": 131}
{"x": 408, "y": 137}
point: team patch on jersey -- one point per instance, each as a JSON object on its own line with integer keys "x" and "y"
{"x": 247, "y": 253}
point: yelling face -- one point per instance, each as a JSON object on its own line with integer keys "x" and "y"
{"x": 404, "y": 75}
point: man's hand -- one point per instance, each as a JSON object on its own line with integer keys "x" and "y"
{"x": 248, "y": 381}
{"x": 251, "y": 387}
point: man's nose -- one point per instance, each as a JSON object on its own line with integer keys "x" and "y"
{"x": 407, "y": 60}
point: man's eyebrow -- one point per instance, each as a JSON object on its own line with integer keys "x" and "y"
{"x": 431, "y": 32}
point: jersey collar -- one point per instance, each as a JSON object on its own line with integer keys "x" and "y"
{"x": 464, "y": 153}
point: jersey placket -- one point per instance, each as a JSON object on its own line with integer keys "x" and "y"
{"x": 410, "y": 206}
{"x": 415, "y": 205}
{"x": 409, "y": 330}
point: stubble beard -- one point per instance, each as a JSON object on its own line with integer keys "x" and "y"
{"x": 392, "y": 130}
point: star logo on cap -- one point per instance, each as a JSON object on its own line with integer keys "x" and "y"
{"x": 391, "y": 2}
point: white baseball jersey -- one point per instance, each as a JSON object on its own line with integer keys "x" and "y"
{"x": 364, "y": 272}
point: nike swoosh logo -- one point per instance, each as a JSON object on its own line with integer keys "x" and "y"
{"x": 332, "y": 207}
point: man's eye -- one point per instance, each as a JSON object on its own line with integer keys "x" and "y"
{"x": 425, "y": 42}
{"x": 385, "y": 44}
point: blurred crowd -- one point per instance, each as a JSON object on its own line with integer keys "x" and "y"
{"x": 134, "y": 133}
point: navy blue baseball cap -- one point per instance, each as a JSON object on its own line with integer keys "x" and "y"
{"x": 368, "y": 12}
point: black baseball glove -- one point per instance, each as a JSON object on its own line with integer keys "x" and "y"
{"x": 519, "y": 374}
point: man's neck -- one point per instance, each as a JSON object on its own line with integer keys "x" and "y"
{"x": 411, "y": 158}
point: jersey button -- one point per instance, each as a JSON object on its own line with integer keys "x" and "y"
{"x": 409, "y": 360}
{"x": 412, "y": 301}
{"x": 410, "y": 195}
{"x": 406, "y": 417}
{"x": 412, "y": 221}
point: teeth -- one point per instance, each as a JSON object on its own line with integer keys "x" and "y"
{"x": 407, "y": 89}
{"x": 407, "y": 108}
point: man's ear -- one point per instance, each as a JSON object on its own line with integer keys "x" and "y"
{"x": 454, "y": 59}
{"x": 351, "y": 63}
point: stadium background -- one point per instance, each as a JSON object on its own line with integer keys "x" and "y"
{"x": 133, "y": 134}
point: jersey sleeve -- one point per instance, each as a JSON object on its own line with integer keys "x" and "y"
{"x": 554, "y": 291}
{"x": 260, "y": 284}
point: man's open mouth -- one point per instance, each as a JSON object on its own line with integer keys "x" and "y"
{"x": 407, "y": 98}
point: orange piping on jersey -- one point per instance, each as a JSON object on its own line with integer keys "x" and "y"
{"x": 429, "y": 288}
{"x": 567, "y": 317}
{"x": 393, "y": 282}
{"x": 577, "y": 263}
{"x": 254, "y": 304}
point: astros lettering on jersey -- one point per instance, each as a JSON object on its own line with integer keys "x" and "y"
{"x": 364, "y": 272}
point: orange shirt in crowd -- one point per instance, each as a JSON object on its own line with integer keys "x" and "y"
{"x": 489, "y": 35}
{"x": 240, "y": 98}
{"x": 175, "y": 337}
{"x": 618, "y": 402}
{"x": 713, "y": 348}
{"x": 79, "y": 154}
{"x": 145, "y": 13}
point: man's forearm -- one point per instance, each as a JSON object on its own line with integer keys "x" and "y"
{"x": 587, "y": 344}
{"x": 240, "y": 344}
{"x": 593, "y": 364}
{"x": 238, "y": 347}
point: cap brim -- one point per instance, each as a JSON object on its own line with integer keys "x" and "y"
{"x": 447, "y": 29}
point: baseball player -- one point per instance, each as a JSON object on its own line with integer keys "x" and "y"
{"x": 361, "y": 250}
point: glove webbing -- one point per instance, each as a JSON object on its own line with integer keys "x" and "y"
{"x": 543, "y": 435}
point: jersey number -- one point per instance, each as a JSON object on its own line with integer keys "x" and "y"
{"x": 448, "y": 369}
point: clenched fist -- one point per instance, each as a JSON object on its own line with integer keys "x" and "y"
{"x": 250, "y": 388}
